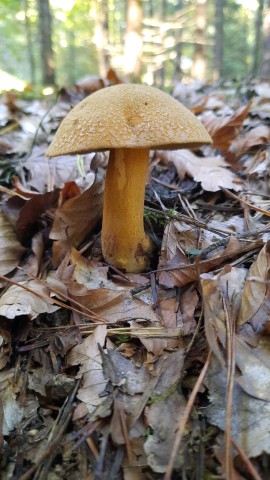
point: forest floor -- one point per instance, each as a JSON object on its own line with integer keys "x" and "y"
{"x": 108, "y": 375}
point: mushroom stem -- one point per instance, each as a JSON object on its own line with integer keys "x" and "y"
{"x": 124, "y": 243}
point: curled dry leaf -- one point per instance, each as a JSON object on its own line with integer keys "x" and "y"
{"x": 164, "y": 411}
{"x": 250, "y": 420}
{"x": 177, "y": 236}
{"x": 224, "y": 129}
{"x": 87, "y": 283}
{"x": 254, "y": 138}
{"x": 17, "y": 301}
{"x": 93, "y": 383}
{"x": 255, "y": 306}
{"x": 77, "y": 218}
{"x": 252, "y": 363}
{"x": 11, "y": 409}
{"x": 10, "y": 249}
{"x": 214, "y": 101}
{"x": 212, "y": 172}
{"x": 31, "y": 212}
{"x": 53, "y": 173}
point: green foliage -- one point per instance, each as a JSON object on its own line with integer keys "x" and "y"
{"x": 238, "y": 39}
{"x": 74, "y": 36}
{"x": 13, "y": 58}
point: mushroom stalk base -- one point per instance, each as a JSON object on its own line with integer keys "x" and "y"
{"x": 124, "y": 243}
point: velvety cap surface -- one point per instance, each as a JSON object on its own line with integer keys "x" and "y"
{"x": 127, "y": 116}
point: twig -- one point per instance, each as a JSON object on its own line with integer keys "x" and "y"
{"x": 65, "y": 297}
{"x": 184, "y": 418}
{"x": 230, "y": 383}
{"x": 47, "y": 297}
{"x": 124, "y": 427}
{"x": 246, "y": 460}
{"x": 249, "y": 205}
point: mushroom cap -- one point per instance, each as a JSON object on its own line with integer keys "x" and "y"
{"x": 127, "y": 116}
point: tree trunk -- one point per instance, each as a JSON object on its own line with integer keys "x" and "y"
{"x": 45, "y": 36}
{"x": 101, "y": 36}
{"x": 29, "y": 46}
{"x": 258, "y": 38}
{"x": 178, "y": 48}
{"x": 219, "y": 38}
{"x": 198, "y": 70}
{"x": 265, "y": 69}
{"x": 133, "y": 39}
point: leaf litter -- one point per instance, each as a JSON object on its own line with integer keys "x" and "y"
{"x": 104, "y": 371}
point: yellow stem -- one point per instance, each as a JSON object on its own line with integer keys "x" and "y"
{"x": 124, "y": 243}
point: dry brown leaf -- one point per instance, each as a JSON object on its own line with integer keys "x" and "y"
{"x": 252, "y": 363}
{"x": 31, "y": 211}
{"x": 250, "y": 420}
{"x": 53, "y": 173}
{"x": 11, "y": 409}
{"x": 77, "y": 217}
{"x": 212, "y": 172}
{"x": 214, "y": 101}
{"x": 93, "y": 383}
{"x": 5, "y": 347}
{"x": 10, "y": 249}
{"x": 188, "y": 302}
{"x": 254, "y": 138}
{"x": 87, "y": 283}
{"x": 224, "y": 129}
{"x": 163, "y": 413}
{"x": 17, "y": 301}
{"x": 255, "y": 306}
{"x": 177, "y": 237}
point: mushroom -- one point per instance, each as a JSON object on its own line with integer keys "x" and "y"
{"x": 128, "y": 120}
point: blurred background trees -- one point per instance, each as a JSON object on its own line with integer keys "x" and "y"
{"x": 47, "y": 42}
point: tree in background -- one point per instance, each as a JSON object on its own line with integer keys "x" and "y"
{"x": 156, "y": 41}
{"x": 219, "y": 39}
{"x": 198, "y": 70}
{"x": 101, "y": 36}
{"x": 45, "y": 39}
{"x": 133, "y": 39}
{"x": 29, "y": 42}
{"x": 265, "y": 69}
{"x": 258, "y": 38}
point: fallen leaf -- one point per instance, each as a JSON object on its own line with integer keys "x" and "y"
{"x": 224, "y": 129}
{"x": 12, "y": 410}
{"x": 250, "y": 421}
{"x": 211, "y": 172}
{"x": 10, "y": 249}
{"x": 254, "y": 138}
{"x": 17, "y": 301}
{"x": 93, "y": 382}
{"x": 78, "y": 216}
{"x": 252, "y": 363}
{"x": 255, "y": 306}
{"x": 166, "y": 406}
{"x": 31, "y": 211}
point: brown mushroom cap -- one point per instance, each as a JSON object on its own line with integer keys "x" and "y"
{"x": 128, "y": 116}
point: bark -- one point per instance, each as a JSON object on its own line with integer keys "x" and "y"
{"x": 198, "y": 70}
{"x": 45, "y": 39}
{"x": 133, "y": 39}
{"x": 219, "y": 38}
{"x": 265, "y": 70}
